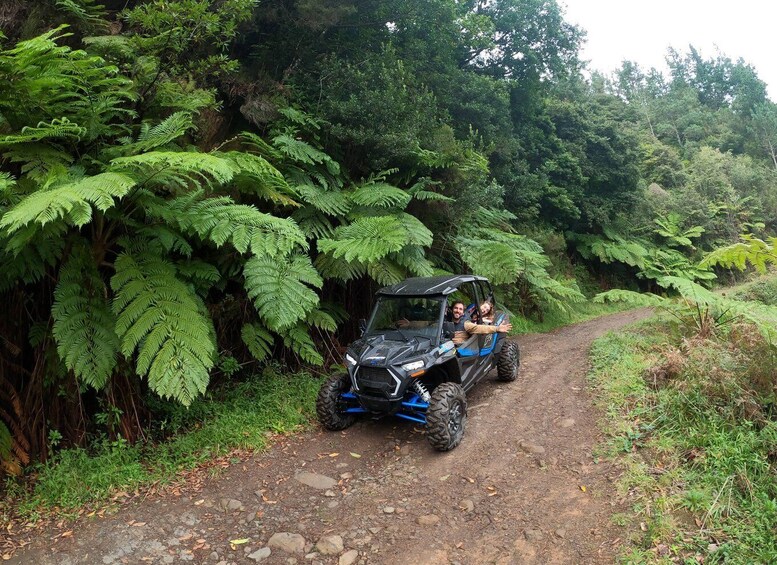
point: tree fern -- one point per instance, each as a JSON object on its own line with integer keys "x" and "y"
{"x": 367, "y": 239}
{"x": 71, "y": 201}
{"x": 176, "y": 171}
{"x": 56, "y": 129}
{"x": 299, "y": 341}
{"x": 321, "y": 320}
{"x": 338, "y": 268}
{"x": 222, "y": 221}
{"x": 281, "y": 289}
{"x": 332, "y": 202}
{"x": 162, "y": 319}
{"x": 258, "y": 341}
{"x": 84, "y": 326}
{"x": 166, "y": 131}
{"x": 381, "y": 195}
{"x": 750, "y": 250}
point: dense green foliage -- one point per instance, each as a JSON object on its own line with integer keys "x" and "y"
{"x": 188, "y": 187}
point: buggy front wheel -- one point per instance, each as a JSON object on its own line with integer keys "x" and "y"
{"x": 446, "y": 417}
{"x": 330, "y": 406}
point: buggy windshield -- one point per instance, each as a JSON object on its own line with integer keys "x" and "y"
{"x": 407, "y": 317}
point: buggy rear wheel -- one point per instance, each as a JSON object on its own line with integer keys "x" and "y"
{"x": 330, "y": 407}
{"x": 446, "y": 417}
{"x": 509, "y": 362}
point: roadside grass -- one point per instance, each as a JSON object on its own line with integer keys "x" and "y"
{"x": 238, "y": 416}
{"x": 694, "y": 422}
{"x": 578, "y": 312}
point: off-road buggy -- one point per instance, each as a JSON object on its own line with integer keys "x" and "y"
{"x": 406, "y": 365}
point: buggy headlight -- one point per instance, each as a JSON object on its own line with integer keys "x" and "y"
{"x": 413, "y": 366}
{"x": 350, "y": 360}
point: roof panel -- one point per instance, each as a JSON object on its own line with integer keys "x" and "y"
{"x": 429, "y": 286}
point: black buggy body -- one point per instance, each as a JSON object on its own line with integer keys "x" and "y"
{"x": 406, "y": 364}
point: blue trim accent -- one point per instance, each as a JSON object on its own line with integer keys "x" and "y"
{"x": 416, "y": 419}
{"x": 348, "y": 396}
{"x": 416, "y": 405}
{"x": 467, "y": 353}
{"x": 355, "y": 410}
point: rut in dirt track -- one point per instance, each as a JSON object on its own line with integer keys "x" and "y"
{"x": 523, "y": 486}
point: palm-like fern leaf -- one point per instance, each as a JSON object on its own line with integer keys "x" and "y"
{"x": 304, "y": 153}
{"x": 339, "y": 268}
{"x": 313, "y": 223}
{"x": 258, "y": 341}
{"x": 756, "y": 252}
{"x": 298, "y": 340}
{"x": 629, "y": 297}
{"x": 58, "y": 128}
{"x": 164, "y": 320}
{"x": 322, "y": 320}
{"x": 166, "y": 131}
{"x": 332, "y": 202}
{"x": 367, "y": 239}
{"x": 380, "y": 194}
{"x": 222, "y": 221}
{"x": 84, "y": 326}
{"x": 176, "y": 170}
{"x": 281, "y": 289}
{"x": 72, "y": 201}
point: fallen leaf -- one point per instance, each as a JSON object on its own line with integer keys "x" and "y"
{"x": 582, "y": 487}
{"x": 470, "y": 480}
{"x": 335, "y": 454}
{"x": 138, "y": 524}
{"x": 491, "y": 488}
{"x": 198, "y": 502}
{"x": 445, "y": 477}
{"x": 355, "y": 455}
{"x": 67, "y": 534}
{"x": 239, "y": 541}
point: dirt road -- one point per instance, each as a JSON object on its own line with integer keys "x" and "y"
{"x": 523, "y": 487}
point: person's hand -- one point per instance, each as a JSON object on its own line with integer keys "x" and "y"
{"x": 504, "y": 327}
{"x": 403, "y": 323}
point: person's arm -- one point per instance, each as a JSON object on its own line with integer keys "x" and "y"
{"x": 473, "y": 328}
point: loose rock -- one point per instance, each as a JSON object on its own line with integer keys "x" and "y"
{"x": 314, "y": 480}
{"x": 330, "y": 545}
{"x": 467, "y": 505}
{"x": 567, "y": 422}
{"x": 231, "y": 505}
{"x": 428, "y": 520}
{"x": 348, "y": 558}
{"x": 288, "y": 542}
{"x": 260, "y": 554}
{"x": 388, "y": 510}
{"x": 531, "y": 447}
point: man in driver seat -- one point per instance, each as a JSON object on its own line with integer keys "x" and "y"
{"x": 464, "y": 328}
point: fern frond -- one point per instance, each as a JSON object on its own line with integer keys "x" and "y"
{"x": 84, "y": 326}
{"x": 386, "y": 272}
{"x": 339, "y": 268}
{"x": 419, "y": 191}
{"x": 313, "y": 223}
{"x": 750, "y": 250}
{"x": 164, "y": 320}
{"x": 381, "y": 195}
{"x": 332, "y": 202}
{"x": 689, "y": 290}
{"x": 203, "y": 275}
{"x": 413, "y": 258}
{"x": 58, "y": 128}
{"x": 176, "y": 170}
{"x": 40, "y": 161}
{"x": 72, "y": 201}
{"x": 368, "y": 239}
{"x": 162, "y": 134}
{"x": 257, "y": 176}
{"x": 321, "y": 320}
{"x": 258, "y": 341}
{"x": 222, "y": 221}
{"x": 299, "y": 341}
{"x": 281, "y": 289}
{"x": 261, "y": 146}
{"x": 84, "y": 11}
{"x": 29, "y": 253}
{"x": 304, "y": 153}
